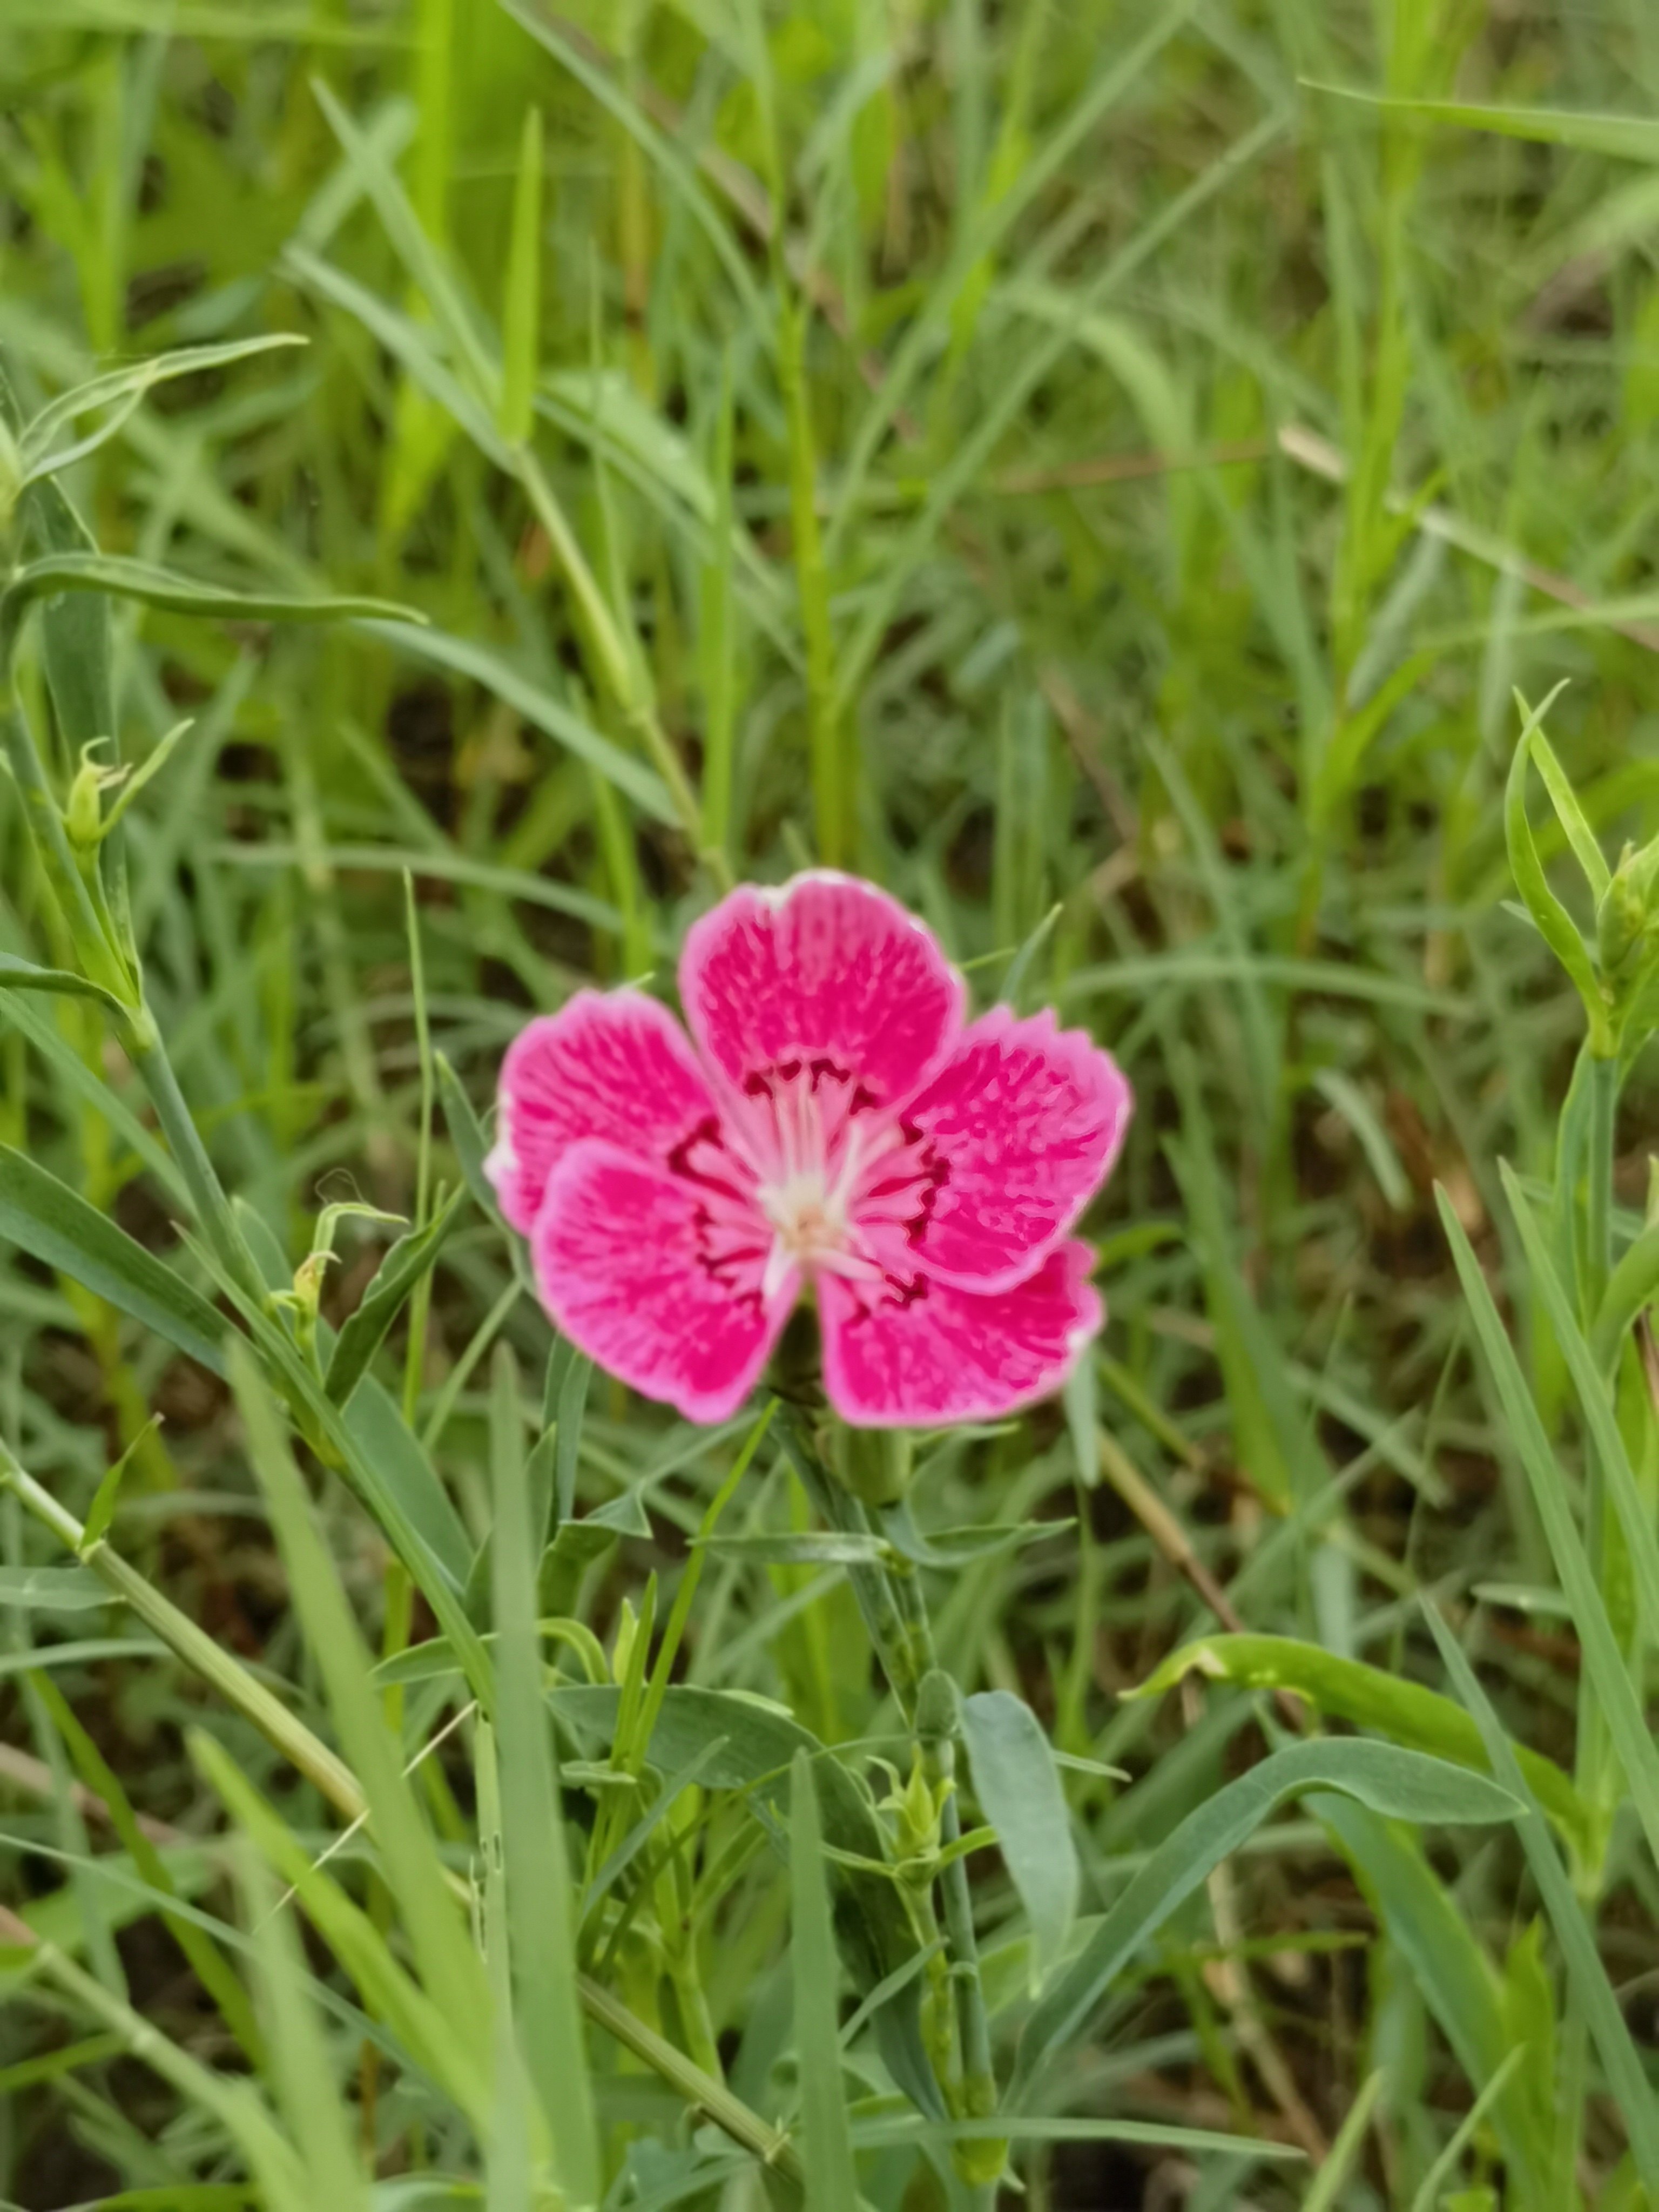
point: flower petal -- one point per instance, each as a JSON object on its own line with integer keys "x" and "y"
{"x": 918, "y": 1353}
{"x": 615, "y": 1065}
{"x": 633, "y": 1270}
{"x": 1025, "y": 1120}
{"x": 826, "y": 967}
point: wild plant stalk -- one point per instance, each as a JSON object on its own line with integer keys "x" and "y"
{"x": 1615, "y": 971}
{"x": 895, "y": 1609}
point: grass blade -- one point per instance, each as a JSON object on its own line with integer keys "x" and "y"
{"x": 450, "y": 1969}
{"x": 55, "y": 1225}
{"x": 1626, "y": 1725}
{"x": 1327, "y": 2184}
{"x": 1457, "y": 1980}
{"x": 302, "y": 2077}
{"x": 1626, "y": 2075}
{"x": 1405, "y": 1785}
{"x": 1407, "y": 1712}
{"x": 826, "y": 2138}
{"x": 538, "y": 1873}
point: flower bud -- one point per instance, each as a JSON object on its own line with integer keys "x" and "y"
{"x": 874, "y": 1464}
{"x": 1627, "y": 913}
{"x": 628, "y": 1630}
{"x": 936, "y": 1707}
{"x": 83, "y": 816}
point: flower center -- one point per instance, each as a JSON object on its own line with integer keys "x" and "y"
{"x": 807, "y": 1173}
{"x": 808, "y": 1218}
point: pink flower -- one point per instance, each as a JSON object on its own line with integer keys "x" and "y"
{"x": 835, "y": 1127}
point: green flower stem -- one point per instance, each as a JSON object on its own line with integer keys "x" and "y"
{"x": 105, "y": 962}
{"x": 1598, "y": 1184}
{"x": 1594, "y": 1764}
{"x": 980, "y": 2163}
{"x": 872, "y": 1587}
{"x": 336, "y": 1781}
{"x": 1594, "y": 1767}
{"x": 895, "y": 1609}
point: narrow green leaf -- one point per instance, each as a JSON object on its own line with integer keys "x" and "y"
{"x": 151, "y": 585}
{"x": 1326, "y": 2193}
{"x": 450, "y": 1970}
{"x": 624, "y": 1514}
{"x": 1403, "y": 1785}
{"x": 384, "y": 1464}
{"x": 1569, "y": 814}
{"x": 390, "y": 1993}
{"x": 1017, "y": 977}
{"x": 1440, "y": 2173}
{"x": 132, "y": 382}
{"x": 1432, "y": 1932}
{"x": 538, "y": 706}
{"x": 467, "y": 1134}
{"x": 413, "y": 345}
{"x": 101, "y": 1512}
{"x": 1595, "y": 1396}
{"x": 88, "y": 1650}
{"x": 1626, "y": 1724}
{"x": 1264, "y": 1415}
{"x": 1554, "y": 924}
{"x": 617, "y": 1862}
{"x": 422, "y": 261}
{"x": 56, "y": 1225}
{"x": 1017, "y": 1784}
{"x": 152, "y": 766}
{"x": 1408, "y": 1712}
{"x": 75, "y": 632}
{"x": 1626, "y": 2071}
{"x": 521, "y": 302}
{"x": 362, "y": 1336}
{"x": 674, "y": 161}
{"x": 716, "y": 639}
{"x": 538, "y": 1873}
{"x": 509, "y": 2160}
{"x": 76, "y": 1079}
{"x": 23, "y": 975}
{"x": 567, "y": 1418}
{"x": 426, "y": 1661}
{"x": 1356, "y": 1108}
{"x": 1081, "y": 1399}
{"x": 208, "y": 1963}
{"x": 957, "y": 1547}
{"x": 576, "y": 1544}
{"x": 1625, "y": 138}
{"x": 1632, "y": 1287}
{"x": 811, "y": 1547}
{"x": 53, "y": 1589}
{"x": 985, "y": 228}
{"x": 826, "y": 2141}
{"x": 298, "y": 2068}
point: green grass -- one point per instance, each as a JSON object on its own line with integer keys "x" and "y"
{"x": 1088, "y": 471}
